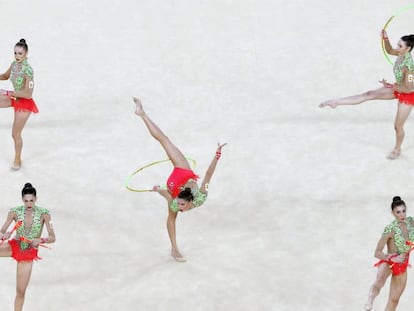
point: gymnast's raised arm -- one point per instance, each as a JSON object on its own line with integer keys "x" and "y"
{"x": 211, "y": 169}
{"x": 387, "y": 45}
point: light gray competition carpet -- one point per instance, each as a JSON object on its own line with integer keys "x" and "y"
{"x": 300, "y": 196}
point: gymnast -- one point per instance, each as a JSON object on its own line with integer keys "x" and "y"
{"x": 398, "y": 237}
{"x": 402, "y": 89}
{"x": 29, "y": 221}
{"x": 21, "y": 75}
{"x": 182, "y": 192}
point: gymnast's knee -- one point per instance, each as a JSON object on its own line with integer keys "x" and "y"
{"x": 399, "y": 128}
{"x": 394, "y": 301}
{"x": 380, "y": 282}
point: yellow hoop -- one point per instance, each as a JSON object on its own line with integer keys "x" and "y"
{"x": 193, "y": 162}
{"x": 399, "y": 12}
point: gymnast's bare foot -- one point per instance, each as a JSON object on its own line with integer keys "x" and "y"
{"x": 139, "y": 109}
{"x": 395, "y": 153}
{"x": 177, "y": 256}
{"x": 330, "y": 103}
{"x": 368, "y": 307}
{"x": 17, "y": 164}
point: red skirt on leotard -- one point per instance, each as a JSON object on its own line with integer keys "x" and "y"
{"x": 24, "y": 104}
{"x": 405, "y": 98}
{"x": 178, "y": 178}
{"x": 396, "y": 267}
{"x": 28, "y": 254}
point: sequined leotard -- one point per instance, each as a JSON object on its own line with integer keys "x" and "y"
{"x": 22, "y": 251}
{"x": 399, "y": 239}
{"x": 401, "y": 62}
{"x": 18, "y": 72}
{"x": 400, "y": 244}
{"x": 405, "y": 61}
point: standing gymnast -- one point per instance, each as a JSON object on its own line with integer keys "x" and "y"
{"x": 29, "y": 221}
{"x": 398, "y": 237}
{"x": 402, "y": 89}
{"x": 21, "y": 75}
{"x": 182, "y": 193}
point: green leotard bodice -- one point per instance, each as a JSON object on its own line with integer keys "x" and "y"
{"x": 18, "y": 72}
{"x": 34, "y": 231}
{"x": 199, "y": 199}
{"x": 401, "y": 62}
{"x": 399, "y": 236}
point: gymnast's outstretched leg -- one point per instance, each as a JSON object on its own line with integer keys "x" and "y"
{"x": 173, "y": 153}
{"x": 380, "y": 93}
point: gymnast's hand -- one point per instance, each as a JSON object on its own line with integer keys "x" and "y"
{"x": 400, "y": 258}
{"x": 220, "y": 146}
{"x": 5, "y": 92}
{"x": 386, "y": 84}
{"x": 384, "y": 34}
{"x": 218, "y": 151}
{"x": 6, "y": 236}
{"x": 35, "y": 243}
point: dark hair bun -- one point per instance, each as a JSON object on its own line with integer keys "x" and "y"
{"x": 28, "y": 189}
{"x": 396, "y": 199}
{"x": 22, "y": 43}
{"x": 186, "y": 194}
